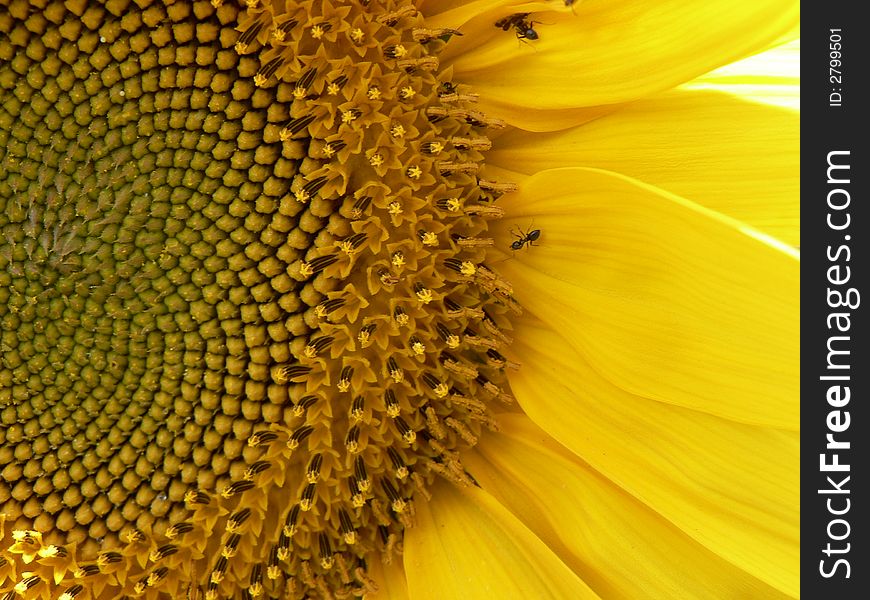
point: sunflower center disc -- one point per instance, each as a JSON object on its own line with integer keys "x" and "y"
{"x": 245, "y": 319}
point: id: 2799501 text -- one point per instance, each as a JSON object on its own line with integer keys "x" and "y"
{"x": 835, "y": 67}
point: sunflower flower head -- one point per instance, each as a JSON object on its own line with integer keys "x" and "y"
{"x": 246, "y": 315}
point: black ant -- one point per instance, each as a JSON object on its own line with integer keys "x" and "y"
{"x": 524, "y": 29}
{"x": 447, "y": 88}
{"x": 528, "y": 237}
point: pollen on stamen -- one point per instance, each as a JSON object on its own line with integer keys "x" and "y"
{"x": 432, "y": 147}
{"x": 231, "y": 546}
{"x": 428, "y": 238}
{"x": 417, "y": 347}
{"x": 351, "y": 441}
{"x": 392, "y": 404}
{"x": 72, "y": 592}
{"x": 236, "y": 488}
{"x": 162, "y": 552}
{"x": 108, "y": 558}
{"x": 344, "y": 380}
{"x": 396, "y": 372}
{"x": 424, "y": 294}
{"x": 364, "y": 336}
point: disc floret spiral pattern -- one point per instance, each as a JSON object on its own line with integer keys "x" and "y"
{"x": 246, "y": 318}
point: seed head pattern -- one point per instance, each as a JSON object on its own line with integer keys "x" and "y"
{"x": 246, "y": 316}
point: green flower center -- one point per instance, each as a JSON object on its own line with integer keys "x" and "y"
{"x": 245, "y": 319}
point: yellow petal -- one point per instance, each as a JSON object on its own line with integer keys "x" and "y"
{"x": 611, "y": 51}
{"x": 389, "y": 579}
{"x": 593, "y": 525}
{"x": 467, "y": 545}
{"x": 731, "y": 487}
{"x": 745, "y": 165}
{"x": 771, "y": 78}
{"x": 455, "y": 14}
{"x": 664, "y": 298}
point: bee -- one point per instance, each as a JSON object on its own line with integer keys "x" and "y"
{"x": 523, "y": 28}
{"x": 525, "y": 237}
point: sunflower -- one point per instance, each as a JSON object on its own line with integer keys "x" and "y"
{"x": 397, "y": 299}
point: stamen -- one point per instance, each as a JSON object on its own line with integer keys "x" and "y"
{"x": 231, "y": 546}
{"x": 396, "y": 372}
{"x": 362, "y": 478}
{"x": 432, "y": 422}
{"x": 267, "y": 71}
{"x": 357, "y": 409}
{"x": 347, "y": 529}
{"x": 447, "y": 168}
{"x": 318, "y": 345}
{"x": 256, "y": 581}
{"x": 400, "y": 316}
{"x": 290, "y": 521}
{"x": 344, "y": 379}
{"x": 335, "y": 86}
{"x": 313, "y": 470}
{"x": 177, "y": 530}
{"x": 351, "y": 441}
{"x": 408, "y": 434}
{"x": 72, "y": 592}
{"x": 220, "y": 568}
{"x": 326, "y": 558}
{"x": 392, "y": 18}
{"x": 392, "y": 404}
{"x": 295, "y": 126}
{"x": 422, "y": 35}
{"x": 261, "y": 437}
{"x": 237, "y": 488}
{"x": 303, "y": 405}
{"x": 256, "y": 468}
{"x": 27, "y": 583}
{"x": 273, "y": 570}
{"x": 449, "y": 204}
{"x": 485, "y": 211}
{"x": 299, "y": 436}
{"x": 463, "y": 431}
{"x": 400, "y": 470}
{"x": 480, "y": 144}
{"x": 452, "y": 340}
{"x": 161, "y": 552}
{"x": 497, "y": 187}
{"x": 236, "y": 520}
{"x": 398, "y": 503}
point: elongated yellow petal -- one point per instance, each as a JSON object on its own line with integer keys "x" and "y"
{"x": 389, "y": 579}
{"x": 457, "y": 13}
{"x": 733, "y": 488}
{"x": 736, "y": 157}
{"x": 593, "y": 525}
{"x": 467, "y": 545}
{"x": 664, "y": 298}
{"x": 771, "y": 78}
{"x": 613, "y": 51}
